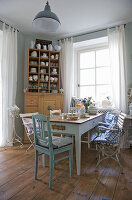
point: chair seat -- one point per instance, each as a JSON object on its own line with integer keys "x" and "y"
{"x": 109, "y": 137}
{"x": 57, "y": 142}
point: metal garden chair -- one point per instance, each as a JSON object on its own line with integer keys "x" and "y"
{"x": 28, "y": 126}
{"x": 109, "y": 120}
{"x": 46, "y": 144}
{"x": 108, "y": 142}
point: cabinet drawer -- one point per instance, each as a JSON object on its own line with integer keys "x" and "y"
{"x": 31, "y": 100}
{"x": 96, "y": 121}
{"x": 31, "y": 109}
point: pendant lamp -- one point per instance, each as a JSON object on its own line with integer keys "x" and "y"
{"x": 46, "y": 20}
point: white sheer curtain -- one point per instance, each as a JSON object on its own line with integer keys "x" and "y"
{"x": 67, "y": 72}
{"x": 116, "y": 40}
{"x": 8, "y": 81}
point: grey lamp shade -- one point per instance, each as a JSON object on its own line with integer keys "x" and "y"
{"x": 46, "y": 20}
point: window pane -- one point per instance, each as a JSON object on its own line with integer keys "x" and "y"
{"x": 87, "y": 77}
{"x": 102, "y": 57}
{"x": 87, "y": 91}
{"x": 87, "y": 59}
{"x": 103, "y": 75}
{"x": 103, "y": 92}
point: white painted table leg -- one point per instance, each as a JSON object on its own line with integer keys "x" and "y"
{"x": 88, "y": 139}
{"x": 44, "y": 160}
{"x": 78, "y": 152}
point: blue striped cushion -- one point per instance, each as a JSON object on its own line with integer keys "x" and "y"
{"x": 109, "y": 137}
{"x": 56, "y": 141}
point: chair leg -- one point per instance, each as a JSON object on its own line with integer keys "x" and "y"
{"x": 70, "y": 161}
{"x": 51, "y": 170}
{"x": 54, "y": 161}
{"x": 32, "y": 144}
{"x": 36, "y": 164}
{"x": 29, "y": 148}
{"x": 119, "y": 164}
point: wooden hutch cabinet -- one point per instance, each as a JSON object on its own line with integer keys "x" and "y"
{"x": 43, "y": 85}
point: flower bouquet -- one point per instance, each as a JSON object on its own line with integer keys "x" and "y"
{"x": 86, "y": 102}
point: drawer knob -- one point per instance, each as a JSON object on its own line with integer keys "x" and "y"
{"x": 49, "y": 108}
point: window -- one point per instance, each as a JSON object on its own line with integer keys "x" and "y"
{"x": 94, "y": 73}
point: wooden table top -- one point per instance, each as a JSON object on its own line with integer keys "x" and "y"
{"x": 78, "y": 121}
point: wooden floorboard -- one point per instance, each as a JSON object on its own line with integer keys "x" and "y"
{"x": 17, "y": 177}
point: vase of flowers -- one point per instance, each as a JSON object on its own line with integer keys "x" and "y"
{"x": 86, "y": 102}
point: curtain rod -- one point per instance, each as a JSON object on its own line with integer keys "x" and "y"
{"x": 91, "y": 32}
{"x": 9, "y": 25}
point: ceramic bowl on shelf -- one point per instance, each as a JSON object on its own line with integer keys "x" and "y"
{"x": 51, "y": 79}
{"x": 56, "y": 56}
{"x": 42, "y": 63}
{"x": 54, "y": 91}
{"x": 33, "y": 70}
{"x": 34, "y": 54}
{"x": 54, "y": 73}
{"x": 55, "y": 79}
{"x": 52, "y": 57}
{"x": 30, "y": 78}
{"x": 35, "y": 77}
{"x": 43, "y": 71}
{"x": 54, "y": 70}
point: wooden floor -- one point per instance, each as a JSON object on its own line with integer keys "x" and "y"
{"x": 17, "y": 178}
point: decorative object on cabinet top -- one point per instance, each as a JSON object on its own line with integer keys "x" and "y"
{"x": 44, "y": 45}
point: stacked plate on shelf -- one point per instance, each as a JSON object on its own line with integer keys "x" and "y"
{"x": 33, "y": 70}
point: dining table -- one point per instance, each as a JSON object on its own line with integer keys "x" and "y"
{"x": 75, "y": 128}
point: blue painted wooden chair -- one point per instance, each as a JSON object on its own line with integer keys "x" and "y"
{"x": 46, "y": 144}
{"x": 108, "y": 143}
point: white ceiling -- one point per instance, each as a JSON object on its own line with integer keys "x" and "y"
{"x": 76, "y": 16}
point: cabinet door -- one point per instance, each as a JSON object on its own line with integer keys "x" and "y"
{"x": 49, "y": 105}
{"x": 46, "y": 105}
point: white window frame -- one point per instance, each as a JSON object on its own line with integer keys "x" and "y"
{"x": 83, "y": 50}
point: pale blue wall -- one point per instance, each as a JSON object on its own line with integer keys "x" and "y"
{"x": 89, "y": 36}
{"x": 128, "y": 31}
{"x": 20, "y": 82}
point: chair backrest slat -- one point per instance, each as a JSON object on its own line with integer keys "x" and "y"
{"x": 42, "y": 129}
{"x": 55, "y": 113}
{"x": 121, "y": 119}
